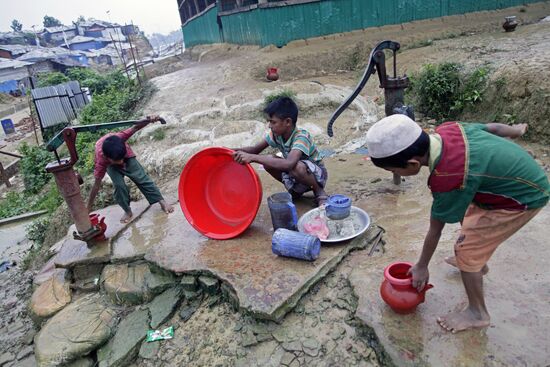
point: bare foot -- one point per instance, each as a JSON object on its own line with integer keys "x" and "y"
{"x": 463, "y": 320}
{"x": 168, "y": 208}
{"x": 451, "y": 260}
{"x": 321, "y": 197}
{"x": 126, "y": 217}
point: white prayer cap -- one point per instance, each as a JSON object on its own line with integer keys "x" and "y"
{"x": 392, "y": 135}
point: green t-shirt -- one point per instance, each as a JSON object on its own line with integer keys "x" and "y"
{"x": 474, "y": 166}
{"x": 301, "y": 140}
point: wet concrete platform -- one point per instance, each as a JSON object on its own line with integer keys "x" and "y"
{"x": 152, "y": 228}
{"x": 74, "y": 252}
{"x": 265, "y": 285}
{"x": 517, "y": 286}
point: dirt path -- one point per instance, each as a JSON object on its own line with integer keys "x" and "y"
{"x": 217, "y": 100}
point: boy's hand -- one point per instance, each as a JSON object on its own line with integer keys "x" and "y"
{"x": 242, "y": 157}
{"x": 521, "y": 129}
{"x": 507, "y": 131}
{"x": 420, "y": 275}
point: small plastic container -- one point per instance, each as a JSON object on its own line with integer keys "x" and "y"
{"x": 283, "y": 211}
{"x": 338, "y": 207}
{"x": 295, "y": 244}
{"x": 8, "y": 127}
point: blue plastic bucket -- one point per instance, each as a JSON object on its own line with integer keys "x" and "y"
{"x": 295, "y": 244}
{"x": 283, "y": 212}
{"x": 338, "y": 207}
{"x": 7, "y": 126}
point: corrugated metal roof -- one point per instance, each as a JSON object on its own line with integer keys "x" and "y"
{"x": 116, "y": 37}
{"x": 45, "y": 53}
{"x": 18, "y": 49}
{"x": 91, "y": 22}
{"x": 13, "y": 64}
{"x": 11, "y": 35}
{"x": 81, "y": 39}
{"x": 59, "y": 29}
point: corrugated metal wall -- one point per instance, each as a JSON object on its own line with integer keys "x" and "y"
{"x": 203, "y": 29}
{"x": 280, "y": 25}
{"x": 58, "y": 104}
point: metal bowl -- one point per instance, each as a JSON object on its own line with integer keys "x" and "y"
{"x": 362, "y": 221}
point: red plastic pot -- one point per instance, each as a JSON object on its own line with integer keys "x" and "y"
{"x": 272, "y": 74}
{"x": 96, "y": 219}
{"x": 218, "y": 196}
{"x": 397, "y": 290}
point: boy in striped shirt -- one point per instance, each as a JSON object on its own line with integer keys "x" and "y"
{"x": 301, "y": 168}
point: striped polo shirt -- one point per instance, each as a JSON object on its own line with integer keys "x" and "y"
{"x": 301, "y": 140}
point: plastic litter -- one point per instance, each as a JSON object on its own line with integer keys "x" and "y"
{"x": 5, "y": 265}
{"x": 318, "y": 227}
{"x": 155, "y": 335}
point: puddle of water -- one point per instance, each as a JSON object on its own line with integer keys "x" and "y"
{"x": 13, "y": 242}
{"x": 153, "y": 228}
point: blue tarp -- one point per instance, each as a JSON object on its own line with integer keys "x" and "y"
{"x": 8, "y": 86}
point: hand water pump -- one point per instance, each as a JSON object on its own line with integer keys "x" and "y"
{"x": 394, "y": 87}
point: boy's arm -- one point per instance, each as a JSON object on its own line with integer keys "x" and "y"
{"x": 93, "y": 193}
{"x": 419, "y": 271}
{"x": 286, "y": 164}
{"x": 253, "y": 149}
{"x": 506, "y": 131}
{"x": 126, "y": 134}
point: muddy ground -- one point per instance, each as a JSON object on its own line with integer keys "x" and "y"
{"x": 215, "y": 99}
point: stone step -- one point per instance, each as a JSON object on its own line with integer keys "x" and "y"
{"x": 50, "y": 297}
{"x": 75, "y": 331}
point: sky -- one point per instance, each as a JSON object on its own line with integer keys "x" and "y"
{"x": 158, "y": 16}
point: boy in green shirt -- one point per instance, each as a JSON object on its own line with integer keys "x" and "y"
{"x": 487, "y": 183}
{"x": 301, "y": 169}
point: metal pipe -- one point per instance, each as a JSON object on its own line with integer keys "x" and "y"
{"x": 11, "y": 154}
{"x": 57, "y": 156}
{"x": 67, "y": 183}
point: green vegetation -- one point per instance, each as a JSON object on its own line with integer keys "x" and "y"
{"x": 38, "y": 195}
{"x": 16, "y": 26}
{"x": 279, "y": 94}
{"x": 418, "y": 44}
{"x": 159, "y": 134}
{"x": 17, "y": 203}
{"x": 36, "y": 231}
{"x": 96, "y": 82}
{"x": 444, "y": 91}
{"x": 13, "y": 204}
{"x": 32, "y": 167}
{"x": 51, "y": 21}
{"x": 87, "y": 78}
{"x": 45, "y": 80}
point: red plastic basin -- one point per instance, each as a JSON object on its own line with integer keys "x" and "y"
{"x": 219, "y": 197}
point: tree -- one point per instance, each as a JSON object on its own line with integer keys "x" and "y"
{"x": 51, "y": 21}
{"x": 80, "y": 19}
{"x": 16, "y": 26}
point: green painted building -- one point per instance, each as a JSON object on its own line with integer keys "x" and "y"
{"x": 277, "y": 22}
